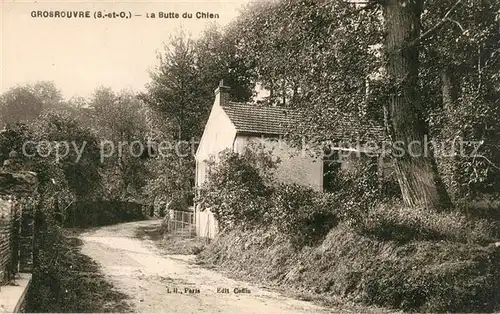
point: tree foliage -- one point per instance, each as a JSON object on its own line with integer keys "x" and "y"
{"x": 81, "y": 165}
{"x": 25, "y": 103}
{"x": 460, "y": 78}
{"x": 187, "y": 73}
{"x": 120, "y": 121}
{"x": 336, "y": 61}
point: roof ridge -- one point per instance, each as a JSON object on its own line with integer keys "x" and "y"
{"x": 239, "y": 103}
{"x": 258, "y": 106}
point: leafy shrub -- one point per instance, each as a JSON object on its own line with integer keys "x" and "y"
{"x": 486, "y": 206}
{"x": 99, "y": 213}
{"x": 241, "y": 192}
{"x": 235, "y": 191}
{"x": 302, "y": 213}
{"x": 360, "y": 186}
{"x": 392, "y": 222}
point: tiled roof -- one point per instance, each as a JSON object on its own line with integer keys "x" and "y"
{"x": 258, "y": 119}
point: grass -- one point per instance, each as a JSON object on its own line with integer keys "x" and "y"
{"x": 265, "y": 258}
{"x": 396, "y": 258}
{"x": 393, "y": 222}
{"x": 67, "y": 281}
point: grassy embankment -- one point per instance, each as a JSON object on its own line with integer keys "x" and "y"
{"x": 395, "y": 257}
{"x": 67, "y": 281}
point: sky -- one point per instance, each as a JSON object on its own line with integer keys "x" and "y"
{"x": 80, "y": 54}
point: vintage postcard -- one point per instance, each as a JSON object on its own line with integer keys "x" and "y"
{"x": 249, "y": 156}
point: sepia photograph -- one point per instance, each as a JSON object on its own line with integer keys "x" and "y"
{"x": 250, "y": 156}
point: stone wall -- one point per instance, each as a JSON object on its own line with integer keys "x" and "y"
{"x": 17, "y": 205}
{"x": 6, "y": 207}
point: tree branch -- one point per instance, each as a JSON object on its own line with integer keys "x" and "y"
{"x": 459, "y": 25}
{"x": 434, "y": 28}
{"x": 487, "y": 160}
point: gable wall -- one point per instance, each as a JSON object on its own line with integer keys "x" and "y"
{"x": 294, "y": 166}
{"x": 219, "y": 134}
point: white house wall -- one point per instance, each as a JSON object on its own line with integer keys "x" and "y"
{"x": 295, "y": 166}
{"x": 219, "y": 134}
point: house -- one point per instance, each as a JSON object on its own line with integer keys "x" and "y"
{"x": 236, "y": 126}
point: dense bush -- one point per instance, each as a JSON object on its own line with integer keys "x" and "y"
{"x": 359, "y": 182}
{"x": 242, "y": 193}
{"x": 466, "y": 134}
{"x": 100, "y": 213}
{"x": 486, "y": 206}
{"x": 302, "y": 214}
{"x": 235, "y": 191}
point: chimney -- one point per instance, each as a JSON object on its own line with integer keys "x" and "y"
{"x": 222, "y": 94}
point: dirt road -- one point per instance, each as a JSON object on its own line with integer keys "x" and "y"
{"x": 172, "y": 283}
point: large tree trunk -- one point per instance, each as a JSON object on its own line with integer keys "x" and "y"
{"x": 415, "y": 166}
